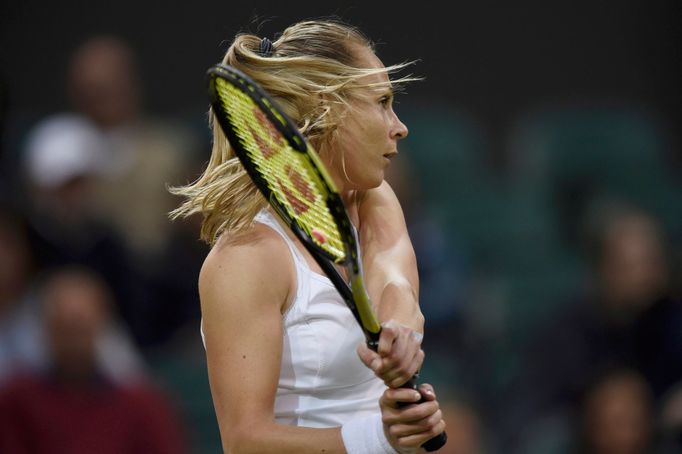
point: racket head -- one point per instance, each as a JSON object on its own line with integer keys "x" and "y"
{"x": 281, "y": 163}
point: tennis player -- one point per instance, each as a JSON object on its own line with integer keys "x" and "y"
{"x": 288, "y": 368}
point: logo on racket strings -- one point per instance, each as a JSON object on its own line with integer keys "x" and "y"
{"x": 299, "y": 191}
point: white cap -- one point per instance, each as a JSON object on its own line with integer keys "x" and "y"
{"x": 61, "y": 148}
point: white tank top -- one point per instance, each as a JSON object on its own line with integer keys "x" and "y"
{"x": 322, "y": 382}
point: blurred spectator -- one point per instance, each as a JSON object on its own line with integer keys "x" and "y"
{"x": 72, "y": 405}
{"x": 143, "y": 154}
{"x": 626, "y": 318}
{"x": 19, "y": 338}
{"x": 98, "y": 192}
{"x": 62, "y": 148}
{"x": 634, "y": 291}
{"x": 63, "y": 161}
{"x": 465, "y": 435}
{"x": 617, "y": 416}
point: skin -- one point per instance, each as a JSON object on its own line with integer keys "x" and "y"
{"x": 243, "y": 302}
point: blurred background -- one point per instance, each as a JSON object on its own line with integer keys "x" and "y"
{"x": 541, "y": 183}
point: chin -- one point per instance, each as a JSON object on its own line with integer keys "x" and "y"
{"x": 371, "y": 181}
{"x": 364, "y": 182}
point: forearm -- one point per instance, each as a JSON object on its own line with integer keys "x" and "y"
{"x": 281, "y": 439}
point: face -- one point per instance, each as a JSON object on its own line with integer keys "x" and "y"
{"x": 75, "y": 316}
{"x": 104, "y": 83}
{"x": 618, "y": 416}
{"x": 368, "y": 136}
{"x": 634, "y": 269}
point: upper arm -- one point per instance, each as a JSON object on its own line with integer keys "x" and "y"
{"x": 389, "y": 260}
{"x": 241, "y": 299}
{"x": 243, "y": 290}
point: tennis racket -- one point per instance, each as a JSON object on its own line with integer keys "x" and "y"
{"x": 293, "y": 179}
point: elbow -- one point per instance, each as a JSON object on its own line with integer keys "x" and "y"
{"x": 240, "y": 440}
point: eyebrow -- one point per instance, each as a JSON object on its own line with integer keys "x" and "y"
{"x": 388, "y": 91}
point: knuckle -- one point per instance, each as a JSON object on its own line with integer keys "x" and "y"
{"x": 419, "y": 413}
{"x": 438, "y": 429}
{"x": 429, "y": 409}
{"x": 404, "y": 443}
{"x": 396, "y": 382}
{"x": 435, "y": 419}
{"x": 391, "y": 362}
{"x": 387, "y": 419}
{"x": 389, "y": 328}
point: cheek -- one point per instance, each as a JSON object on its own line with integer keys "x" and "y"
{"x": 350, "y": 145}
{"x": 355, "y": 155}
{"x": 363, "y": 136}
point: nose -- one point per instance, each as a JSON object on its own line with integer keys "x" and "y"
{"x": 399, "y": 130}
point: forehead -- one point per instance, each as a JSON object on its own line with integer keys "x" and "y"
{"x": 367, "y": 59}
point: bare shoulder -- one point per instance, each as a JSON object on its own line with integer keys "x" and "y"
{"x": 380, "y": 206}
{"x": 255, "y": 265}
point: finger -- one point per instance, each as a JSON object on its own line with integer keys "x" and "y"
{"x": 399, "y": 376}
{"x": 369, "y": 358}
{"x": 396, "y": 398}
{"x": 389, "y": 332}
{"x": 401, "y": 352}
{"x": 414, "y": 413}
{"x": 403, "y": 347}
{"x": 419, "y": 439}
{"x": 423, "y": 425}
{"x": 405, "y": 344}
{"x": 427, "y": 391}
{"x": 411, "y": 415}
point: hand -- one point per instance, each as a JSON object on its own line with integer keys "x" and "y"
{"x": 407, "y": 427}
{"x": 398, "y": 357}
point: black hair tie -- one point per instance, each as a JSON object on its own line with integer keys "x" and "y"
{"x": 266, "y": 47}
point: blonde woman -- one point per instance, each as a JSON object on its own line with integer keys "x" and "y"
{"x": 282, "y": 347}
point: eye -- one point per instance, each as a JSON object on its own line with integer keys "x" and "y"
{"x": 385, "y": 100}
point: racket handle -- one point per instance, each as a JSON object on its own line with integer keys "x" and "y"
{"x": 439, "y": 440}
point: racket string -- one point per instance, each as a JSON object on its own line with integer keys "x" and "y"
{"x": 287, "y": 172}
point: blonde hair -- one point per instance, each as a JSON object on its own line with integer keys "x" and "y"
{"x": 313, "y": 72}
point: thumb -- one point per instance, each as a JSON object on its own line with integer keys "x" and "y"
{"x": 368, "y": 357}
{"x": 427, "y": 391}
